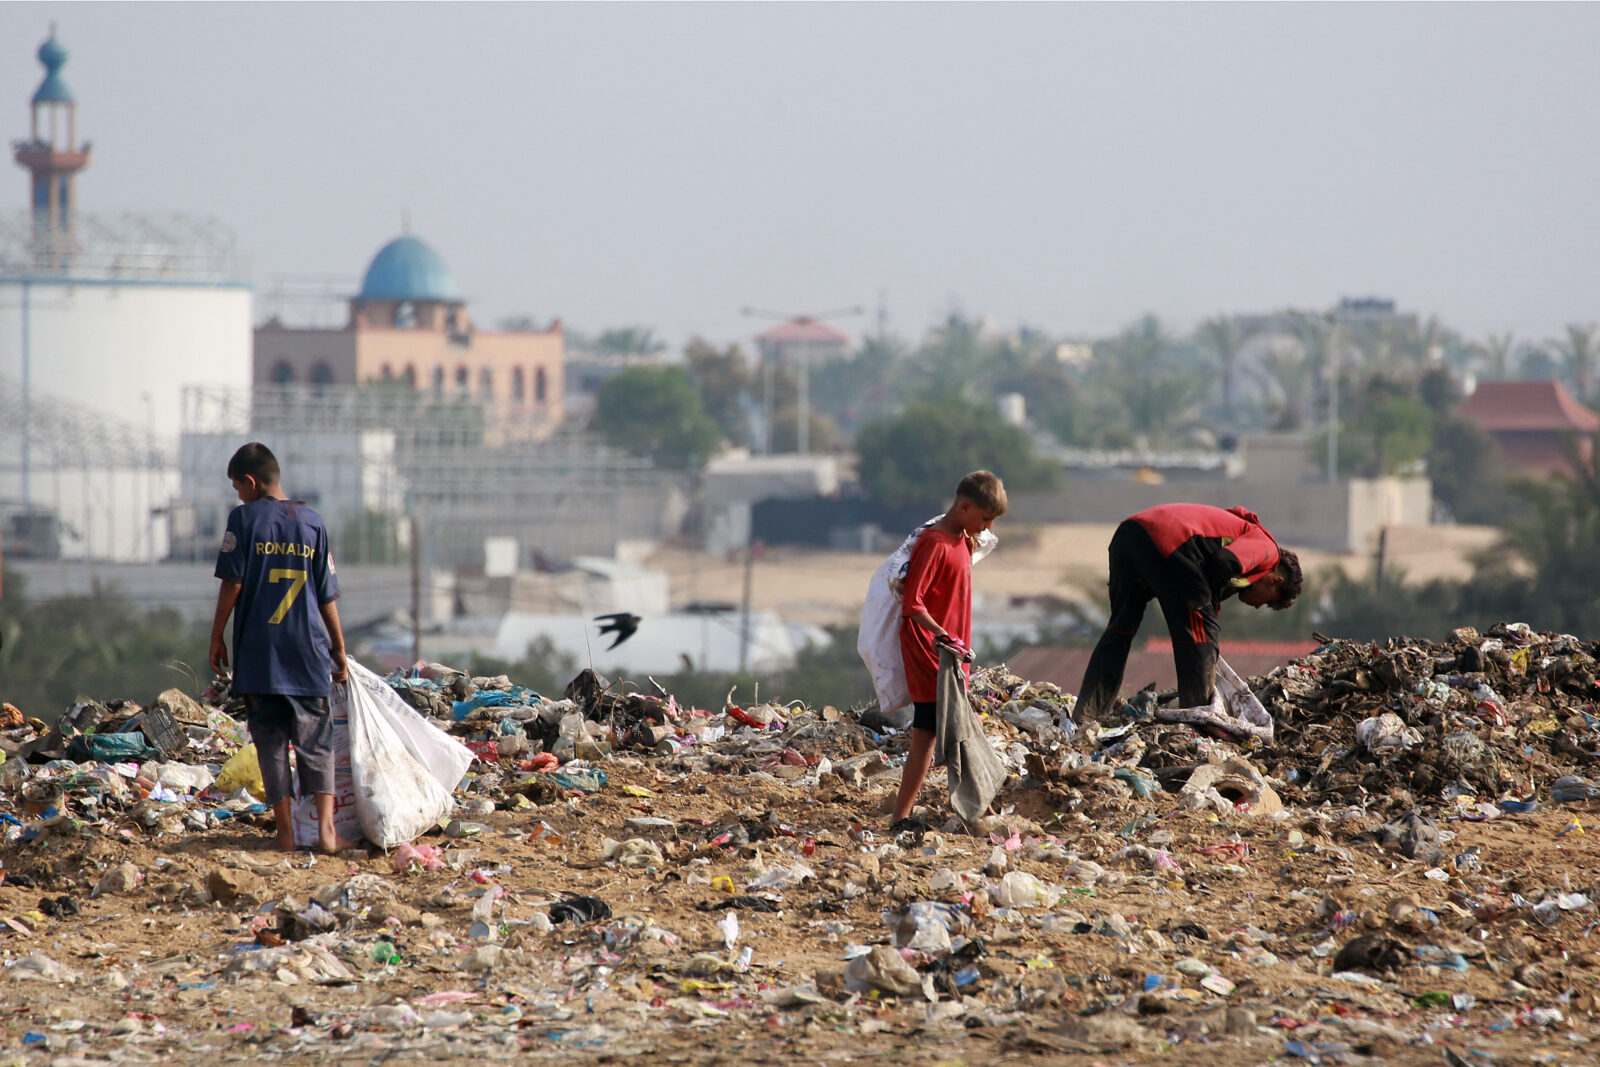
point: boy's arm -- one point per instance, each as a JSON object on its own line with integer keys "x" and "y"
{"x": 330, "y": 619}
{"x": 227, "y": 597}
{"x": 927, "y": 622}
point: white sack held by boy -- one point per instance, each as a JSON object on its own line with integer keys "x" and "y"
{"x": 878, "y": 640}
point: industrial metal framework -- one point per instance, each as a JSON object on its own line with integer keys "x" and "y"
{"x": 128, "y": 246}
{"x": 467, "y": 473}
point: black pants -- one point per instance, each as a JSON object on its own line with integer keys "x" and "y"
{"x": 1139, "y": 574}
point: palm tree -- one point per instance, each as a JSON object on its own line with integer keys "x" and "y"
{"x": 1500, "y": 355}
{"x": 1221, "y": 334}
{"x": 1580, "y": 349}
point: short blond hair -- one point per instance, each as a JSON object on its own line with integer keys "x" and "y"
{"x": 985, "y": 489}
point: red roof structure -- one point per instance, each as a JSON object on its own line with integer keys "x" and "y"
{"x": 1529, "y": 420}
{"x": 1522, "y": 406}
{"x": 803, "y": 329}
{"x": 1152, "y": 663}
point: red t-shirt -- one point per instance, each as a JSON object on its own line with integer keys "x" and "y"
{"x": 938, "y": 581}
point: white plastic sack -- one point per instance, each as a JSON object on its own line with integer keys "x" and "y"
{"x": 1233, "y": 708}
{"x": 405, "y": 768}
{"x": 304, "y": 811}
{"x": 878, "y": 640}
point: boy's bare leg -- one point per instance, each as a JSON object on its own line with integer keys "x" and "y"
{"x": 283, "y": 815}
{"x": 328, "y": 839}
{"x": 918, "y": 760}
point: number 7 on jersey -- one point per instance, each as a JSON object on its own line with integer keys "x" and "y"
{"x": 297, "y": 582}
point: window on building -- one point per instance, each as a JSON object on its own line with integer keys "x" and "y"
{"x": 405, "y": 315}
{"x": 463, "y": 379}
{"x": 321, "y": 373}
{"x": 283, "y": 372}
{"x": 486, "y": 383}
{"x": 410, "y": 376}
{"x": 538, "y": 385}
{"x": 387, "y": 373}
{"x": 518, "y": 392}
{"x": 438, "y": 379}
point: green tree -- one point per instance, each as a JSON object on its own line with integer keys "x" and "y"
{"x": 725, "y": 383}
{"x": 1557, "y": 531}
{"x": 1147, "y": 392}
{"x": 98, "y": 646}
{"x": 851, "y": 391}
{"x": 655, "y": 411}
{"x": 1468, "y": 473}
{"x": 629, "y": 341}
{"x": 917, "y": 457}
{"x": 1580, "y": 350}
{"x": 1221, "y": 336}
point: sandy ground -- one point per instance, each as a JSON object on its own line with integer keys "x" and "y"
{"x": 1062, "y": 560}
{"x": 156, "y": 967}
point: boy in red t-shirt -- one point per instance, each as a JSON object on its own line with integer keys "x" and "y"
{"x": 936, "y": 607}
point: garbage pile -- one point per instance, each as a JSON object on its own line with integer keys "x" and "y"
{"x": 1480, "y": 723}
{"x": 624, "y": 874}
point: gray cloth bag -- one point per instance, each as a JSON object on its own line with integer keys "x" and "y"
{"x": 976, "y": 773}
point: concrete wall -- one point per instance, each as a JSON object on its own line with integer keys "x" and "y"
{"x": 1343, "y": 517}
{"x": 366, "y": 592}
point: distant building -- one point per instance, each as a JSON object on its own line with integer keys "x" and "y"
{"x": 802, "y": 340}
{"x": 104, "y": 320}
{"x": 409, "y": 326}
{"x": 1529, "y": 420}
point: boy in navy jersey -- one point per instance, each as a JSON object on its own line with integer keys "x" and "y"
{"x": 277, "y": 574}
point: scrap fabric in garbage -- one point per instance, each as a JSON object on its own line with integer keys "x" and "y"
{"x": 1393, "y": 866}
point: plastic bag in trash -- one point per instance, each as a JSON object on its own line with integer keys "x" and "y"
{"x": 883, "y": 970}
{"x": 1019, "y": 889}
{"x": 242, "y": 771}
{"x": 111, "y": 748}
{"x": 1233, "y": 709}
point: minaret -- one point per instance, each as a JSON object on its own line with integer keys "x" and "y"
{"x": 52, "y": 152}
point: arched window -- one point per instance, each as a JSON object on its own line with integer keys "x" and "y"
{"x": 387, "y": 373}
{"x": 486, "y": 383}
{"x": 321, "y": 373}
{"x": 283, "y": 372}
{"x": 410, "y": 376}
{"x": 538, "y": 385}
{"x": 518, "y": 390}
{"x": 438, "y": 379}
{"x": 463, "y": 379}
{"x": 405, "y": 315}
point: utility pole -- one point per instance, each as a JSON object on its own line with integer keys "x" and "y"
{"x": 1333, "y": 399}
{"x": 1377, "y": 564}
{"x": 416, "y": 592}
{"x": 744, "y": 610}
{"x": 803, "y": 324}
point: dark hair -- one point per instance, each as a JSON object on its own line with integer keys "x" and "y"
{"x": 985, "y": 489}
{"x": 254, "y": 460}
{"x": 1288, "y": 569}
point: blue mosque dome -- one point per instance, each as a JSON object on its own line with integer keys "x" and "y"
{"x": 407, "y": 269}
{"x": 52, "y": 90}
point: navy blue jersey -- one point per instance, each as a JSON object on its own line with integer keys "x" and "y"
{"x": 278, "y": 552}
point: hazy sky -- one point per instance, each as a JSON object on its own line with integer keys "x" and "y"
{"x": 1068, "y": 166}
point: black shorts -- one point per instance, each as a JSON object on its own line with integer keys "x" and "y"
{"x": 925, "y": 715}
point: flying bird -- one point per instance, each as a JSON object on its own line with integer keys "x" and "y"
{"x": 620, "y": 623}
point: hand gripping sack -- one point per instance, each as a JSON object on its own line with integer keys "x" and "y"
{"x": 405, "y": 769}
{"x": 878, "y": 640}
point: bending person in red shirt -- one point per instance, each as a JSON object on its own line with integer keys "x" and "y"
{"x": 937, "y": 606}
{"x": 1189, "y": 558}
